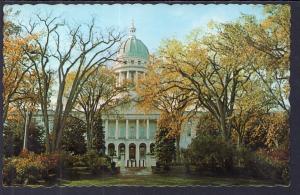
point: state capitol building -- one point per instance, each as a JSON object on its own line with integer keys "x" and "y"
{"x": 130, "y": 133}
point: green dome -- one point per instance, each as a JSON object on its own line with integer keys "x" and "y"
{"x": 134, "y": 47}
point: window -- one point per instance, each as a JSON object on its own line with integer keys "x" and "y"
{"x": 132, "y": 61}
{"x": 125, "y": 62}
{"x": 139, "y": 62}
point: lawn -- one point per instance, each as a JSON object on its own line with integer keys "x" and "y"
{"x": 160, "y": 180}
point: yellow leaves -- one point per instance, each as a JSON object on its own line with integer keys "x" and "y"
{"x": 211, "y": 24}
{"x": 172, "y": 121}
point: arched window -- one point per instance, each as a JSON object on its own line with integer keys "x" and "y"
{"x": 132, "y": 151}
{"x": 111, "y": 149}
{"x": 142, "y": 150}
{"x": 121, "y": 149}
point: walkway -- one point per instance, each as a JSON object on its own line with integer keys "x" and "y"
{"x": 134, "y": 171}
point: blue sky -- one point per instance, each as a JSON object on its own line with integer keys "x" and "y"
{"x": 153, "y": 22}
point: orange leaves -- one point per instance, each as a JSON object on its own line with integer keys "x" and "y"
{"x": 18, "y": 77}
{"x": 271, "y": 130}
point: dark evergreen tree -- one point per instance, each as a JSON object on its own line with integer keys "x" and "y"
{"x": 73, "y": 138}
{"x": 164, "y": 147}
{"x": 98, "y": 141}
{"x": 35, "y": 139}
{"x": 12, "y": 139}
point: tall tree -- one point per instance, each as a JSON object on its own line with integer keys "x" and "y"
{"x": 209, "y": 69}
{"x": 81, "y": 55}
{"x": 164, "y": 147}
{"x": 270, "y": 39}
{"x": 99, "y": 93}
{"x": 98, "y": 139}
{"x": 252, "y": 102}
{"x": 17, "y": 68}
{"x": 156, "y": 93}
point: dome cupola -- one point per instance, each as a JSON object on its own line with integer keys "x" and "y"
{"x": 133, "y": 47}
{"x": 132, "y": 58}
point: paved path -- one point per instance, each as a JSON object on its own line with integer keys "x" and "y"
{"x": 135, "y": 171}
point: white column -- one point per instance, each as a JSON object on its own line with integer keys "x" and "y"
{"x": 119, "y": 79}
{"x": 136, "y": 77}
{"x": 117, "y": 129}
{"x": 148, "y": 148}
{"x": 126, "y": 128}
{"x": 137, "y": 154}
{"x": 106, "y": 129}
{"x": 148, "y": 158}
{"x": 106, "y": 148}
{"x": 127, "y": 75}
{"x": 147, "y": 128}
{"x": 126, "y": 154}
{"x": 137, "y": 128}
{"x": 122, "y": 77}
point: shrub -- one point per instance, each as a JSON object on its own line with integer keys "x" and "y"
{"x": 95, "y": 161}
{"x": 265, "y": 164}
{"x": 210, "y": 153}
{"x": 9, "y": 172}
{"x": 79, "y": 161}
{"x": 50, "y": 162}
{"x": 273, "y": 164}
{"x": 29, "y": 168}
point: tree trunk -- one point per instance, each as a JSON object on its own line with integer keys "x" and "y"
{"x": 89, "y": 136}
{"x": 178, "y": 157}
{"x": 26, "y": 127}
{"x": 5, "y": 112}
{"x": 223, "y": 128}
{"x": 59, "y": 132}
{"x": 89, "y": 129}
{"x": 46, "y": 126}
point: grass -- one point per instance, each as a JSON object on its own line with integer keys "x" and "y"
{"x": 160, "y": 180}
{"x": 84, "y": 178}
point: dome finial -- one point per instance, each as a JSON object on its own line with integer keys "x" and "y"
{"x": 132, "y": 28}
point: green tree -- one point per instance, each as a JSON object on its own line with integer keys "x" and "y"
{"x": 36, "y": 139}
{"x": 98, "y": 140}
{"x": 12, "y": 138}
{"x": 164, "y": 147}
{"x": 74, "y": 139}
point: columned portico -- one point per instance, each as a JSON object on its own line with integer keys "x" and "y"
{"x": 130, "y": 133}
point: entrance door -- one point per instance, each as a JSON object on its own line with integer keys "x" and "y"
{"x": 132, "y": 151}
